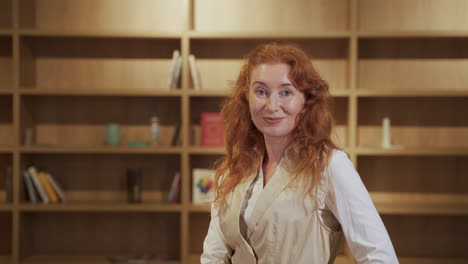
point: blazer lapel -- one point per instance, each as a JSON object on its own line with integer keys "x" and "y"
{"x": 278, "y": 182}
{"x": 232, "y": 217}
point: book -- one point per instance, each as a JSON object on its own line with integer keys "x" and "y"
{"x": 178, "y": 69}
{"x": 53, "y": 198}
{"x": 57, "y": 188}
{"x": 37, "y": 184}
{"x": 175, "y": 69}
{"x": 174, "y": 191}
{"x": 175, "y": 136}
{"x": 212, "y": 129}
{"x": 202, "y": 186}
{"x": 31, "y": 192}
{"x": 194, "y": 72}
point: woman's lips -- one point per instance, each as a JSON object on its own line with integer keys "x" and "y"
{"x": 273, "y": 120}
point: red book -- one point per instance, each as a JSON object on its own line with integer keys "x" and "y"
{"x": 212, "y": 129}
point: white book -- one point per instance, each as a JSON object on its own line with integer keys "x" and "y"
{"x": 178, "y": 69}
{"x": 29, "y": 187}
{"x": 175, "y": 58}
{"x": 202, "y": 186}
{"x": 194, "y": 72}
{"x": 57, "y": 188}
{"x": 37, "y": 183}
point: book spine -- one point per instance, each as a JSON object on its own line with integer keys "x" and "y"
{"x": 29, "y": 187}
{"x": 48, "y": 188}
{"x": 175, "y": 136}
{"x": 58, "y": 189}
{"x": 37, "y": 183}
{"x": 175, "y": 58}
{"x": 174, "y": 192}
{"x": 177, "y": 71}
{"x": 194, "y": 72}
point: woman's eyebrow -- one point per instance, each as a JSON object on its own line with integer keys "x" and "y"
{"x": 260, "y": 82}
{"x": 263, "y": 83}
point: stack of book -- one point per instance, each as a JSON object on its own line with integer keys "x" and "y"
{"x": 176, "y": 68}
{"x": 42, "y": 187}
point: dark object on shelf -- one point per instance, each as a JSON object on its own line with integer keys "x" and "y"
{"x": 9, "y": 185}
{"x": 134, "y": 185}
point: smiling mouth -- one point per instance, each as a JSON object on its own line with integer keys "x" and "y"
{"x": 273, "y": 120}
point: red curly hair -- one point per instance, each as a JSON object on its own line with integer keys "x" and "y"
{"x": 311, "y": 139}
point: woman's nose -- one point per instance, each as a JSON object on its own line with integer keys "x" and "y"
{"x": 273, "y": 103}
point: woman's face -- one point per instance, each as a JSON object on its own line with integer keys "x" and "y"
{"x": 274, "y": 102}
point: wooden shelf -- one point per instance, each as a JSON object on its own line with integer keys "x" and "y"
{"x": 6, "y": 149}
{"x": 6, "y": 92}
{"x": 206, "y": 150}
{"x": 97, "y": 92}
{"x": 200, "y": 208}
{"x": 5, "y": 259}
{"x": 210, "y": 93}
{"x": 405, "y": 203}
{"x": 4, "y": 207}
{"x": 100, "y": 207}
{"x": 407, "y": 260}
{"x": 77, "y": 260}
{"x": 266, "y": 35}
{"x": 6, "y": 32}
{"x": 100, "y": 33}
{"x": 412, "y": 34}
{"x": 360, "y": 151}
{"x": 420, "y": 203}
{"x": 101, "y": 150}
{"x": 213, "y": 93}
{"x": 412, "y": 93}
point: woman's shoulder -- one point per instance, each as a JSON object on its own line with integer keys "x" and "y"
{"x": 338, "y": 156}
{"x": 338, "y": 163}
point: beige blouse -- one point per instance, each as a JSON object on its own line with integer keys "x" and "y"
{"x": 276, "y": 224}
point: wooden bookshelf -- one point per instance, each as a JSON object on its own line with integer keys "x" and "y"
{"x": 99, "y": 33}
{"x": 420, "y": 203}
{"x": 101, "y": 207}
{"x": 74, "y": 260}
{"x": 266, "y": 35}
{"x": 100, "y": 92}
{"x": 67, "y": 81}
{"x": 99, "y": 149}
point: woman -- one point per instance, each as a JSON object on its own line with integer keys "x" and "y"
{"x": 285, "y": 192}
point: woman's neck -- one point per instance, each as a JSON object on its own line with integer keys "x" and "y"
{"x": 275, "y": 148}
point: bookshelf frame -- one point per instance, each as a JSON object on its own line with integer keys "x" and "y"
{"x": 354, "y": 29}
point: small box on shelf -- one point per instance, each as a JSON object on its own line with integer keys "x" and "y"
{"x": 202, "y": 186}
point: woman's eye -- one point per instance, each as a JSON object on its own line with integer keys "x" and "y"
{"x": 260, "y": 92}
{"x": 286, "y": 93}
